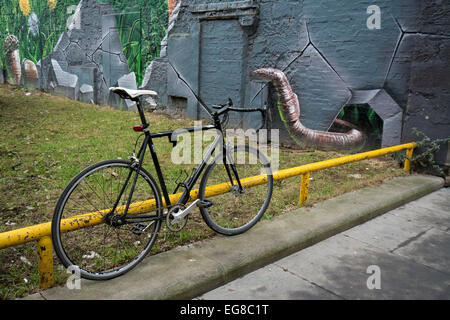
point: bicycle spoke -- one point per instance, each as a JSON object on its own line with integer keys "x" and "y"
{"x": 239, "y": 209}
{"x": 102, "y": 249}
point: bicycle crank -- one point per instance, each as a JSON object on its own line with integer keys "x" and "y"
{"x": 176, "y": 218}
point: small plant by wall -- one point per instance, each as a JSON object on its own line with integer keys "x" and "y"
{"x": 423, "y": 158}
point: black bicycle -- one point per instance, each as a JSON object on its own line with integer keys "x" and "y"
{"x": 114, "y": 209}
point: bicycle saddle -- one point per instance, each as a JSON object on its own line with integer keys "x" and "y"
{"x": 125, "y": 93}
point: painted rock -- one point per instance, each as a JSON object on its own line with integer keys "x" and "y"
{"x": 30, "y": 73}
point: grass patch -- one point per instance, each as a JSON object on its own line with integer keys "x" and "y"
{"x": 47, "y": 140}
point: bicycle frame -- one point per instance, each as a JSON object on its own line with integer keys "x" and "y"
{"x": 148, "y": 141}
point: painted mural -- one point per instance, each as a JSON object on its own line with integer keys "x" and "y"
{"x": 79, "y": 47}
{"x": 379, "y": 67}
{"x": 357, "y": 71}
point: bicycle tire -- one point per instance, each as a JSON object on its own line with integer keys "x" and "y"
{"x": 230, "y": 213}
{"x": 123, "y": 247}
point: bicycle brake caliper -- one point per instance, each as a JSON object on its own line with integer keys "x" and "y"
{"x": 134, "y": 160}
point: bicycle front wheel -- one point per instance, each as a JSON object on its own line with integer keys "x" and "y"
{"x": 83, "y": 238}
{"x": 236, "y": 210}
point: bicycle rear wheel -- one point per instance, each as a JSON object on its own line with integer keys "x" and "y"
{"x": 81, "y": 236}
{"x": 235, "y": 211}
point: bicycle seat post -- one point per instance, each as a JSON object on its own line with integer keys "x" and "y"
{"x": 145, "y": 124}
{"x": 134, "y": 95}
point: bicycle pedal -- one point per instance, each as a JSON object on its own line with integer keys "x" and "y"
{"x": 138, "y": 229}
{"x": 205, "y": 203}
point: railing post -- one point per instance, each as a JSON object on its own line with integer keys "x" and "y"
{"x": 409, "y": 154}
{"x": 304, "y": 189}
{"x": 45, "y": 263}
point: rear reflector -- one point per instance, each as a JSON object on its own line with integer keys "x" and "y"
{"x": 138, "y": 128}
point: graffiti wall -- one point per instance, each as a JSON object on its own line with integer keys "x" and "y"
{"x": 80, "y": 48}
{"x": 348, "y": 67}
{"x": 332, "y": 73}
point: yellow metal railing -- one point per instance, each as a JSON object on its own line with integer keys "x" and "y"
{"x": 42, "y": 232}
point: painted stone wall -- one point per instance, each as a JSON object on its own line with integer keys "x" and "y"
{"x": 80, "y": 48}
{"x": 428, "y": 106}
{"x": 334, "y": 54}
{"x": 389, "y": 56}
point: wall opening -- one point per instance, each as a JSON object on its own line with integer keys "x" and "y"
{"x": 365, "y": 118}
{"x": 178, "y": 105}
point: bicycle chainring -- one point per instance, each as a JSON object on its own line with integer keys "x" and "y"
{"x": 173, "y": 225}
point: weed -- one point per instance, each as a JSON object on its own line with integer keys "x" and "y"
{"x": 425, "y": 152}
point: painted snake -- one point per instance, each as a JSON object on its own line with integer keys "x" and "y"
{"x": 290, "y": 109}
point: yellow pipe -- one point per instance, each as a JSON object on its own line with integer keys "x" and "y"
{"x": 45, "y": 263}
{"x": 304, "y": 189}
{"x": 409, "y": 154}
{"x": 287, "y": 173}
{"x": 34, "y": 233}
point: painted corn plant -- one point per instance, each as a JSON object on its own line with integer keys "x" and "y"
{"x": 142, "y": 26}
{"x": 38, "y": 24}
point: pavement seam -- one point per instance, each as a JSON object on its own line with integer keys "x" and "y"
{"x": 421, "y": 264}
{"x": 309, "y": 281}
{"x": 410, "y": 259}
{"x": 410, "y": 240}
{"x": 41, "y": 293}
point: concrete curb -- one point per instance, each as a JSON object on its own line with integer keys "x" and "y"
{"x": 187, "y": 272}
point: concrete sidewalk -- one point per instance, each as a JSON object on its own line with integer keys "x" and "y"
{"x": 402, "y": 254}
{"x": 187, "y": 272}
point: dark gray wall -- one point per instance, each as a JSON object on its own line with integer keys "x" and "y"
{"x": 428, "y": 43}
{"x": 327, "y": 51}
